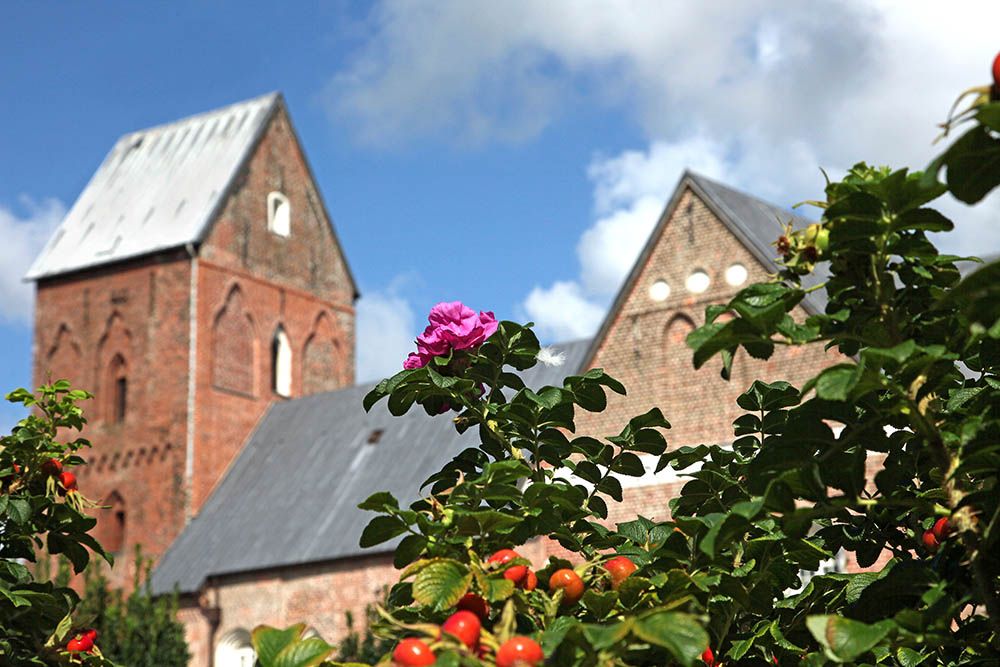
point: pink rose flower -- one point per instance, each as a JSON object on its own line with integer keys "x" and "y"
{"x": 460, "y": 326}
{"x": 453, "y": 326}
{"x": 414, "y": 360}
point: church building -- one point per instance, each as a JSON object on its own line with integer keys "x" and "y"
{"x": 197, "y": 287}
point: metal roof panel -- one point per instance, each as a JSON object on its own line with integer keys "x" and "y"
{"x": 157, "y": 189}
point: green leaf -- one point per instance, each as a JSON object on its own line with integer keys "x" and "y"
{"x": 304, "y": 653}
{"x": 627, "y": 463}
{"x": 268, "y": 642}
{"x": 381, "y": 529}
{"x": 837, "y": 382}
{"x": 679, "y": 633}
{"x": 408, "y": 550}
{"x": 973, "y": 164}
{"x": 909, "y": 658}
{"x": 496, "y": 589}
{"x": 612, "y": 487}
{"x": 926, "y": 219}
{"x": 845, "y": 640}
{"x": 599, "y": 604}
{"x": 379, "y": 501}
{"x": 441, "y": 584}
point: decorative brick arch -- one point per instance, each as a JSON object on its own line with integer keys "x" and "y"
{"x": 676, "y": 371}
{"x": 234, "y": 345}
{"x": 323, "y": 361}
{"x": 114, "y": 350}
{"x": 111, "y": 522}
{"x": 62, "y": 359}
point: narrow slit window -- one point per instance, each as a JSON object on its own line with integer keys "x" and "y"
{"x": 281, "y": 364}
{"x": 279, "y": 214}
{"x": 121, "y": 399}
{"x": 116, "y": 393}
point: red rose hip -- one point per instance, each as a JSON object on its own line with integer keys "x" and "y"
{"x": 476, "y": 604}
{"x": 620, "y": 568}
{"x": 930, "y": 541}
{"x": 67, "y": 482}
{"x": 82, "y": 643}
{"x": 465, "y": 627}
{"x": 520, "y": 652}
{"x": 941, "y": 529}
{"x": 515, "y": 573}
{"x": 412, "y": 653}
{"x": 570, "y": 583}
{"x": 52, "y": 467}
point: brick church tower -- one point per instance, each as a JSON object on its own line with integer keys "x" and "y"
{"x": 196, "y": 280}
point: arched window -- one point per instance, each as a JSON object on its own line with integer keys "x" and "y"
{"x": 234, "y": 346}
{"x": 281, "y": 364}
{"x": 235, "y": 650}
{"x": 279, "y": 214}
{"x": 117, "y": 389}
{"x": 679, "y": 381}
{"x": 320, "y": 358}
{"x": 111, "y": 523}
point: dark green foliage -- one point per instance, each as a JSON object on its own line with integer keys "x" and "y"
{"x": 41, "y": 520}
{"x": 135, "y": 629}
{"x": 363, "y": 647}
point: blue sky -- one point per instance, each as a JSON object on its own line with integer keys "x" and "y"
{"x": 511, "y": 155}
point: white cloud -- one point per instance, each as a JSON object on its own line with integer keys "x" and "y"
{"x": 629, "y": 194}
{"x": 385, "y": 333}
{"x": 758, "y": 94}
{"x": 562, "y": 312}
{"x": 23, "y": 237}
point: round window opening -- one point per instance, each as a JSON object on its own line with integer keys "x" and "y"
{"x": 736, "y": 275}
{"x": 659, "y": 291}
{"x": 697, "y": 282}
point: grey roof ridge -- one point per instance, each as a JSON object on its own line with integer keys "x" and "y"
{"x": 274, "y": 95}
{"x": 722, "y": 211}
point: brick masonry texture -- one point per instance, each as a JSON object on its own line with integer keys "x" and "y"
{"x": 132, "y": 320}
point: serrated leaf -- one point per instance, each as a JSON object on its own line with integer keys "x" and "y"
{"x": 679, "y": 633}
{"x": 441, "y": 584}
{"x": 843, "y": 639}
{"x": 268, "y": 642}
{"x": 379, "y": 501}
{"x": 381, "y": 529}
{"x": 303, "y": 653}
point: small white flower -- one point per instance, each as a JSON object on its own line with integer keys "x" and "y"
{"x": 551, "y": 357}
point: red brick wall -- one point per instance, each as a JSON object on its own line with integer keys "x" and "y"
{"x": 250, "y": 282}
{"x": 319, "y": 595}
{"x": 645, "y": 349}
{"x": 138, "y": 312}
{"x": 132, "y": 320}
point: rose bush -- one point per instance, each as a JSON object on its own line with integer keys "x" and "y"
{"x": 724, "y": 581}
{"x": 42, "y": 517}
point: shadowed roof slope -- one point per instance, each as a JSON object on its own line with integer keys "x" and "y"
{"x": 158, "y": 188}
{"x": 291, "y": 495}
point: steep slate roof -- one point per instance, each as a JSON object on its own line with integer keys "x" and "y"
{"x": 291, "y": 495}
{"x": 158, "y": 188}
{"x": 754, "y": 222}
